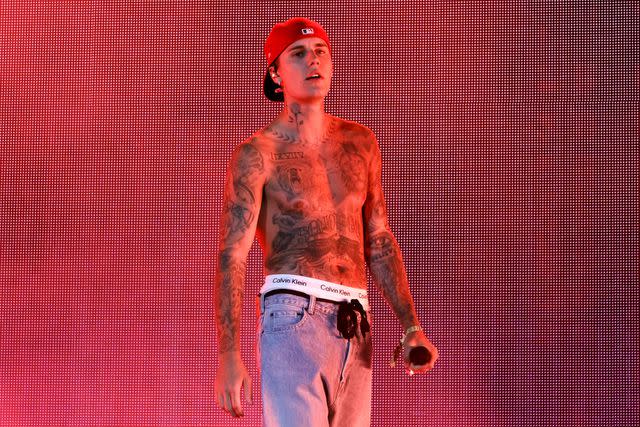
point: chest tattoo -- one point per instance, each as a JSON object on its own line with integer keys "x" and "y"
{"x": 291, "y": 155}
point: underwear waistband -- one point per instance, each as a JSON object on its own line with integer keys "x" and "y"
{"x": 316, "y": 287}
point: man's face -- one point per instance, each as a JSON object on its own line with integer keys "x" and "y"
{"x": 305, "y": 69}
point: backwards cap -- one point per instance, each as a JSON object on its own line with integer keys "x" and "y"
{"x": 282, "y": 35}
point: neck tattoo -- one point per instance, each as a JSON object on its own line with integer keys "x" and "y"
{"x": 296, "y": 117}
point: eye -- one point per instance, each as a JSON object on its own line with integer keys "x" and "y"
{"x": 299, "y": 54}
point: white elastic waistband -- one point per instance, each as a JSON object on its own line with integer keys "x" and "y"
{"x": 315, "y": 287}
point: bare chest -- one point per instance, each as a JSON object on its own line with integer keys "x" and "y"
{"x": 331, "y": 178}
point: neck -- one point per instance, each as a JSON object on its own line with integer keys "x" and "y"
{"x": 303, "y": 122}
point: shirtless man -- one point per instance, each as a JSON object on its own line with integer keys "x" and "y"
{"x": 308, "y": 186}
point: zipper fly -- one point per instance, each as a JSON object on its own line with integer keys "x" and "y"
{"x": 346, "y": 359}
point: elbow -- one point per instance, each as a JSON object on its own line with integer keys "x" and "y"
{"x": 380, "y": 245}
{"x": 230, "y": 259}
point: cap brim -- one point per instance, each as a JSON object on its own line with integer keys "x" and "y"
{"x": 270, "y": 87}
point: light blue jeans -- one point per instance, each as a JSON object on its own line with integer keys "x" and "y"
{"x": 311, "y": 376}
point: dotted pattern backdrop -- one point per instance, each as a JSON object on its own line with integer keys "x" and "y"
{"x": 509, "y": 135}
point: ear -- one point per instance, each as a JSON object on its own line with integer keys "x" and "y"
{"x": 274, "y": 75}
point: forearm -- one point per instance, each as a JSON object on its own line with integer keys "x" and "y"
{"x": 242, "y": 199}
{"x": 229, "y": 291}
{"x": 389, "y": 274}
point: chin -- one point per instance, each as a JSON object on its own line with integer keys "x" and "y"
{"x": 308, "y": 97}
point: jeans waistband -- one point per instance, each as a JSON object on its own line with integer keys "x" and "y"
{"x": 310, "y": 302}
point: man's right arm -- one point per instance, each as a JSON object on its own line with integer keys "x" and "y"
{"x": 238, "y": 219}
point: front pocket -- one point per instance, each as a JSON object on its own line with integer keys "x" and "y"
{"x": 279, "y": 319}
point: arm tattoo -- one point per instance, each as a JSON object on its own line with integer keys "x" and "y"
{"x": 239, "y": 210}
{"x": 239, "y": 213}
{"x": 387, "y": 269}
{"x": 229, "y": 293}
{"x": 382, "y": 250}
{"x": 244, "y": 171}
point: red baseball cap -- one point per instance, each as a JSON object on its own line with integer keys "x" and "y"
{"x": 282, "y": 35}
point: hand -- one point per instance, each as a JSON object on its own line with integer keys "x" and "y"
{"x": 418, "y": 339}
{"x": 230, "y": 377}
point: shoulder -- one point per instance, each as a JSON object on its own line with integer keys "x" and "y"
{"x": 256, "y": 144}
{"x": 249, "y": 154}
{"x": 358, "y": 133}
{"x": 352, "y": 128}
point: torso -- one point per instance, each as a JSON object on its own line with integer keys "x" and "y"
{"x": 310, "y": 221}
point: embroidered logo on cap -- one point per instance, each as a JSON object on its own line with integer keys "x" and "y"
{"x": 307, "y": 31}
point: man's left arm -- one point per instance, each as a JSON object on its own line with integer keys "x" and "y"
{"x": 385, "y": 263}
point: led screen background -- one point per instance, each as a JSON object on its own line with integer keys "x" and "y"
{"x": 509, "y": 135}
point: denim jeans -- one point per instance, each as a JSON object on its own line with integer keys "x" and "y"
{"x": 311, "y": 375}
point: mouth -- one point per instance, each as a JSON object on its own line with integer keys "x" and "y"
{"x": 314, "y": 76}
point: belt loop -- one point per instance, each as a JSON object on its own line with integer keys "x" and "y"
{"x": 312, "y": 304}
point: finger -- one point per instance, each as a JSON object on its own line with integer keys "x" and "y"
{"x": 432, "y": 362}
{"x": 418, "y": 369}
{"x": 225, "y": 405}
{"x": 422, "y": 368}
{"x": 236, "y": 404}
{"x": 220, "y": 400}
{"x": 228, "y": 404}
{"x": 248, "y": 390}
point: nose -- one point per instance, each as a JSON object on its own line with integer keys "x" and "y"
{"x": 314, "y": 58}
